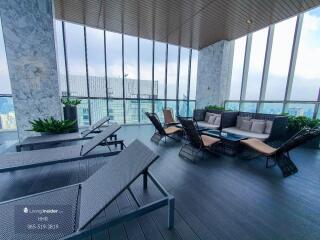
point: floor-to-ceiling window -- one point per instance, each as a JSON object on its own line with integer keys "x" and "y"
{"x": 7, "y": 115}
{"x": 123, "y": 76}
{"x": 282, "y": 75}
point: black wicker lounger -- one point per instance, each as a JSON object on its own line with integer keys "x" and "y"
{"x": 28, "y": 159}
{"x": 88, "y": 199}
{"x": 48, "y": 141}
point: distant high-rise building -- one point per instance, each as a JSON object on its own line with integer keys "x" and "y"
{"x": 98, "y": 106}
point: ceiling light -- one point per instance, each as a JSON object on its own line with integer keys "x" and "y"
{"x": 249, "y": 21}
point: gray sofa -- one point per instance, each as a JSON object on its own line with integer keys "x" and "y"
{"x": 274, "y": 129}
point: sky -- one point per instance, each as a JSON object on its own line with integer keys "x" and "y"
{"x": 306, "y": 78}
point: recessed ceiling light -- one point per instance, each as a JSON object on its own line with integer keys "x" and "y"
{"x": 249, "y": 21}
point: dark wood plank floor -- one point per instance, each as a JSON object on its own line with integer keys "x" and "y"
{"x": 220, "y": 197}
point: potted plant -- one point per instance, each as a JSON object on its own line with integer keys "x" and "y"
{"x": 52, "y": 126}
{"x": 70, "y": 110}
{"x": 295, "y": 124}
{"x": 214, "y": 107}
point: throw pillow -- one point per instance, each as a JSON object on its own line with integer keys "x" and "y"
{"x": 246, "y": 125}
{"x": 212, "y": 120}
{"x": 240, "y": 119}
{"x": 217, "y": 121}
{"x": 258, "y": 126}
{"x": 208, "y": 114}
{"x": 268, "y": 127}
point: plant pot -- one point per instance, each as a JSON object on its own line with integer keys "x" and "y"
{"x": 70, "y": 113}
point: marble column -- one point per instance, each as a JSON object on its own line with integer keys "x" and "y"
{"x": 214, "y": 74}
{"x": 28, "y": 29}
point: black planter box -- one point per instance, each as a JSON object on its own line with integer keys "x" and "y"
{"x": 70, "y": 113}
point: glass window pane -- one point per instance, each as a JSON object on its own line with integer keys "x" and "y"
{"x": 237, "y": 68}
{"x": 183, "y": 73}
{"x": 300, "y": 109}
{"x": 258, "y": 49}
{"x": 145, "y": 106}
{"x": 116, "y": 111}
{"x": 83, "y": 113}
{"x": 192, "y": 106}
{"x": 114, "y": 65}
{"x": 271, "y": 108}
{"x": 172, "y": 72}
{"x": 194, "y": 72}
{"x": 132, "y": 111}
{"x": 173, "y": 106}
{"x": 306, "y": 80}
{"x": 159, "y": 69}
{"x": 76, "y": 59}
{"x": 60, "y": 58}
{"x": 183, "y": 108}
{"x": 158, "y": 109}
{"x": 96, "y": 67}
{"x": 98, "y": 109}
{"x": 131, "y": 66}
{"x": 232, "y": 106}
{"x": 280, "y": 59}
{"x": 7, "y": 115}
{"x": 145, "y": 68}
{"x": 4, "y": 73}
{"x": 248, "y": 107}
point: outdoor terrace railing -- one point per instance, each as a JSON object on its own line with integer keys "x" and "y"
{"x": 94, "y": 108}
{"x": 295, "y": 108}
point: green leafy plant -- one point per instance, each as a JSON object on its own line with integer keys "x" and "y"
{"x": 52, "y": 125}
{"x": 70, "y": 102}
{"x": 295, "y": 124}
{"x": 214, "y": 107}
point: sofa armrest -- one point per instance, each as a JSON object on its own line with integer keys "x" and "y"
{"x": 199, "y": 114}
{"x": 228, "y": 119}
{"x": 279, "y": 128}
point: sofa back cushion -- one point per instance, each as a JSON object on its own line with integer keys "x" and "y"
{"x": 240, "y": 120}
{"x": 217, "y": 121}
{"x": 208, "y": 114}
{"x": 268, "y": 127}
{"x": 212, "y": 119}
{"x": 246, "y": 125}
{"x": 258, "y": 126}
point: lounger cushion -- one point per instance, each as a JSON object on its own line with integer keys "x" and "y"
{"x": 207, "y": 125}
{"x": 209, "y": 141}
{"x": 172, "y": 130}
{"x": 259, "y": 146}
{"x": 235, "y": 130}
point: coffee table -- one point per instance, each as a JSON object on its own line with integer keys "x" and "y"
{"x": 200, "y": 129}
{"x": 230, "y": 143}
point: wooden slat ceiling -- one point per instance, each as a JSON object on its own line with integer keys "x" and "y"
{"x": 189, "y": 23}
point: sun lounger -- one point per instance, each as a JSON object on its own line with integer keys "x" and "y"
{"x": 27, "y": 159}
{"x": 197, "y": 143}
{"x": 162, "y": 132}
{"x": 280, "y": 155}
{"x": 52, "y": 140}
{"x": 86, "y": 200}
